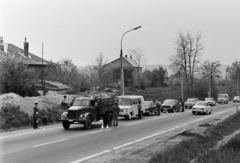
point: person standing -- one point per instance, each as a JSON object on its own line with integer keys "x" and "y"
{"x": 158, "y": 108}
{"x": 182, "y": 104}
{"x": 139, "y": 110}
{"x": 63, "y": 102}
{"x": 116, "y": 111}
{"x": 35, "y": 115}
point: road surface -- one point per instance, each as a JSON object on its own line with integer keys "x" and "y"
{"x": 54, "y": 144}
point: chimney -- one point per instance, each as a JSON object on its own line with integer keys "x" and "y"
{"x": 26, "y": 48}
{"x": 1, "y": 43}
{"x": 126, "y": 56}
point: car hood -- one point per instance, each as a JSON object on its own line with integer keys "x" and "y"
{"x": 167, "y": 105}
{"x": 77, "y": 107}
{"x": 222, "y": 98}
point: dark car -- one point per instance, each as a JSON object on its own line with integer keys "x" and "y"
{"x": 190, "y": 102}
{"x": 150, "y": 107}
{"x": 171, "y": 105}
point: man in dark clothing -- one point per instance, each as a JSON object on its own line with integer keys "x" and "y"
{"x": 116, "y": 111}
{"x": 35, "y": 115}
{"x": 182, "y": 104}
{"x": 139, "y": 110}
{"x": 158, "y": 108}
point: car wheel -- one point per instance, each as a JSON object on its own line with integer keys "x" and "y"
{"x": 66, "y": 125}
{"x": 193, "y": 112}
{"x": 88, "y": 122}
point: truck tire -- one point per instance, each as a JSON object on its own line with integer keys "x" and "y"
{"x": 110, "y": 119}
{"x": 66, "y": 125}
{"x": 88, "y": 122}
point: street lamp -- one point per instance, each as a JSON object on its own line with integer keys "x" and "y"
{"x": 121, "y": 55}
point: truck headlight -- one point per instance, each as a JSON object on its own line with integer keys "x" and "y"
{"x": 81, "y": 116}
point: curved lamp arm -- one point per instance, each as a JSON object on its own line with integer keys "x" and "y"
{"x": 129, "y": 31}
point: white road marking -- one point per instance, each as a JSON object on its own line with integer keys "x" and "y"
{"x": 91, "y": 156}
{"x": 124, "y": 145}
{"x": 133, "y": 123}
{"x": 49, "y": 143}
{"x": 143, "y": 138}
{"x": 96, "y": 132}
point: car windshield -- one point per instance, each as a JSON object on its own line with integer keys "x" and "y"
{"x": 124, "y": 101}
{"x": 148, "y": 103}
{"x": 169, "y": 102}
{"x": 81, "y": 102}
{"x": 236, "y": 97}
{"x": 200, "y": 103}
{"x": 208, "y": 99}
{"x": 222, "y": 96}
{"x": 191, "y": 100}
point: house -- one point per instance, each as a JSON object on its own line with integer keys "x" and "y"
{"x": 127, "y": 62}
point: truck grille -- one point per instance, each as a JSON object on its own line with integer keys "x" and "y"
{"x": 72, "y": 114}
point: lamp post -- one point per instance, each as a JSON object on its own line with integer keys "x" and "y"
{"x": 121, "y": 55}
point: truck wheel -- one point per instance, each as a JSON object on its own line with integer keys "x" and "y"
{"x": 110, "y": 119}
{"x": 66, "y": 125}
{"x": 88, "y": 123}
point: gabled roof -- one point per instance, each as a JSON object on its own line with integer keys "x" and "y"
{"x": 16, "y": 53}
{"x": 131, "y": 61}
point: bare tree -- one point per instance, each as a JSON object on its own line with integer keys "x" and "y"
{"x": 100, "y": 62}
{"x": 188, "y": 54}
{"x": 138, "y": 55}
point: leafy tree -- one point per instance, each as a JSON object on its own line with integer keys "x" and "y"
{"x": 17, "y": 77}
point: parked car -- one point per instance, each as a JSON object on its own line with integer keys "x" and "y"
{"x": 236, "y": 99}
{"x": 150, "y": 107}
{"x": 202, "y": 107}
{"x": 223, "y": 99}
{"x": 171, "y": 105}
{"x": 210, "y": 101}
{"x": 190, "y": 103}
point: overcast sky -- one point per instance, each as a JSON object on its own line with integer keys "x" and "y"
{"x": 82, "y": 29}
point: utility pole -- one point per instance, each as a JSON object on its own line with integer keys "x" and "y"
{"x": 42, "y": 72}
{"x": 237, "y": 87}
{"x": 210, "y": 80}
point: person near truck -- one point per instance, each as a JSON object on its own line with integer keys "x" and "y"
{"x": 35, "y": 115}
{"x": 139, "y": 110}
{"x": 116, "y": 111}
{"x": 64, "y": 101}
{"x": 158, "y": 107}
{"x": 182, "y": 104}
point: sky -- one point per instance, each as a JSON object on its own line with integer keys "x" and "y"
{"x": 82, "y": 29}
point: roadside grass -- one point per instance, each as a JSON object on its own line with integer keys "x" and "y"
{"x": 12, "y": 118}
{"x": 199, "y": 145}
{"x": 229, "y": 153}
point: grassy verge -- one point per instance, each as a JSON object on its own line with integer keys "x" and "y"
{"x": 189, "y": 149}
{"x": 228, "y": 153}
{"x": 12, "y": 118}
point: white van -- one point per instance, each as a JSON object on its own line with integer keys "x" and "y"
{"x": 223, "y": 98}
{"x": 128, "y": 105}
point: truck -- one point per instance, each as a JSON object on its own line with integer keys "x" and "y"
{"x": 223, "y": 99}
{"x": 86, "y": 110}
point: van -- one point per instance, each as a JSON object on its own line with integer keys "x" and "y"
{"x": 223, "y": 99}
{"x": 128, "y": 105}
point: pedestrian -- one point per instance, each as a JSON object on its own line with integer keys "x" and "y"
{"x": 139, "y": 110}
{"x": 158, "y": 108}
{"x": 116, "y": 111}
{"x": 182, "y": 104}
{"x": 63, "y": 102}
{"x": 35, "y": 115}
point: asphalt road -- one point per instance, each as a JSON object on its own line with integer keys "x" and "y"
{"x": 54, "y": 144}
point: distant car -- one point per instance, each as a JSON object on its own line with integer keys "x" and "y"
{"x": 171, "y": 105}
{"x": 190, "y": 103}
{"x": 150, "y": 107}
{"x": 202, "y": 107}
{"x": 210, "y": 101}
{"x": 236, "y": 99}
{"x": 223, "y": 99}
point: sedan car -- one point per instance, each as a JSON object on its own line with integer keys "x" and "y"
{"x": 190, "y": 102}
{"x": 171, "y": 105}
{"x": 150, "y": 107}
{"x": 236, "y": 99}
{"x": 211, "y": 101}
{"x": 202, "y": 107}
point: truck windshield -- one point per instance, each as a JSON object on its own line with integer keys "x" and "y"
{"x": 125, "y": 101}
{"x": 81, "y": 102}
{"x": 222, "y": 96}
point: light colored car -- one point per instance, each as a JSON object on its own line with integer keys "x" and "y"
{"x": 202, "y": 107}
{"x": 210, "y": 101}
{"x": 190, "y": 102}
{"x": 236, "y": 99}
{"x": 223, "y": 99}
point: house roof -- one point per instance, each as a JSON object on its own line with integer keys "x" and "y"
{"x": 131, "y": 61}
{"x": 16, "y": 53}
